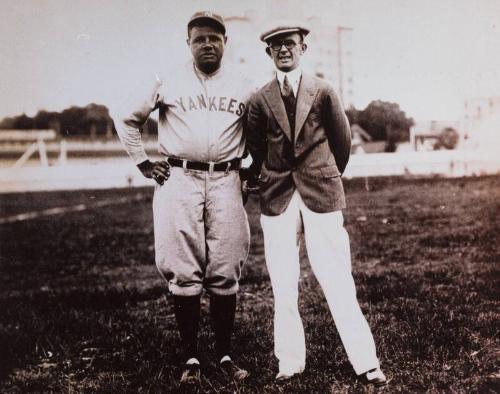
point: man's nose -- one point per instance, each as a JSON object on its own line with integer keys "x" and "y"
{"x": 283, "y": 48}
{"x": 207, "y": 42}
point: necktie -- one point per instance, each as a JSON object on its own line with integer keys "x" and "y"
{"x": 289, "y": 101}
{"x": 287, "y": 91}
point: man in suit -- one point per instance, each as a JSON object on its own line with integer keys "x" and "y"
{"x": 300, "y": 140}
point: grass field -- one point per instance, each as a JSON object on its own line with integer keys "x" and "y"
{"x": 83, "y": 309}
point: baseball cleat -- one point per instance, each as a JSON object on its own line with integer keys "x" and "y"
{"x": 232, "y": 371}
{"x": 191, "y": 375}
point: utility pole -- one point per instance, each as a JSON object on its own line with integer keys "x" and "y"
{"x": 340, "y": 55}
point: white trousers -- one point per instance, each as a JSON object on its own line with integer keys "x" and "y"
{"x": 328, "y": 248}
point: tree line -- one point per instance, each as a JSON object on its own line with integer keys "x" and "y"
{"x": 383, "y": 121}
{"x": 91, "y": 121}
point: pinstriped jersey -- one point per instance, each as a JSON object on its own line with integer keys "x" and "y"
{"x": 200, "y": 117}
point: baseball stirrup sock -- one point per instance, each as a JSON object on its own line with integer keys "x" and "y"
{"x": 187, "y": 314}
{"x": 222, "y": 311}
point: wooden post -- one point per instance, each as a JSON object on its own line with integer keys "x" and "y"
{"x": 63, "y": 153}
{"x": 42, "y": 150}
{"x": 26, "y": 155}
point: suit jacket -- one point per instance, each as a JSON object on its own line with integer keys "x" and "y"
{"x": 314, "y": 162}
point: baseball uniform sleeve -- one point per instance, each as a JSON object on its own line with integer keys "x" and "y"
{"x": 132, "y": 115}
{"x": 337, "y": 128}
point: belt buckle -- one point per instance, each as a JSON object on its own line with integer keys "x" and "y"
{"x": 211, "y": 168}
{"x": 228, "y": 167}
{"x": 184, "y": 166}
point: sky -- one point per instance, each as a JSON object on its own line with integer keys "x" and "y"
{"x": 427, "y": 56}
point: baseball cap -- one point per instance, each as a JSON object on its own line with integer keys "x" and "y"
{"x": 284, "y": 27}
{"x": 209, "y": 17}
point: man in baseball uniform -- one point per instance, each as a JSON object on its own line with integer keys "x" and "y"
{"x": 300, "y": 140}
{"x": 200, "y": 225}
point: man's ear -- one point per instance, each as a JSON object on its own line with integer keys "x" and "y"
{"x": 225, "y": 40}
{"x": 187, "y": 41}
{"x": 304, "y": 47}
{"x": 268, "y": 51}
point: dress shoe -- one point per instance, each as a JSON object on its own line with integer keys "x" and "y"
{"x": 375, "y": 377}
{"x": 284, "y": 376}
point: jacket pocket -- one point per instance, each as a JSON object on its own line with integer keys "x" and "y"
{"x": 330, "y": 172}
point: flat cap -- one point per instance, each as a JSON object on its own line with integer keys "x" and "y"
{"x": 210, "y": 17}
{"x": 284, "y": 28}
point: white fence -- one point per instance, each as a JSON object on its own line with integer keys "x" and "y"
{"x": 120, "y": 172}
{"x": 449, "y": 163}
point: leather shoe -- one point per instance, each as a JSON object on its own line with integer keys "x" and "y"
{"x": 375, "y": 377}
{"x": 284, "y": 376}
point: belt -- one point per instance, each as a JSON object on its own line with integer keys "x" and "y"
{"x": 234, "y": 164}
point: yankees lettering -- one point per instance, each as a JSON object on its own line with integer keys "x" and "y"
{"x": 199, "y": 116}
{"x": 214, "y": 104}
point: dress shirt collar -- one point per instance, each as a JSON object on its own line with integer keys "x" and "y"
{"x": 293, "y": 78}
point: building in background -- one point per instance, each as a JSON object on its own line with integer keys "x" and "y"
{"x": 482, "y": 123}
{"x": 434, "y": 135}
{"x": 244, "y": 48}
{"x": 329, "y": 54}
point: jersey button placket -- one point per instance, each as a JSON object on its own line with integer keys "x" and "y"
{"x": 213, "y": 138}
{"x": 206, "y": 84}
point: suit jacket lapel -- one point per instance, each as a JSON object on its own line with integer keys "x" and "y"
{"x": 273, "y": 98}
{"x": 305, "y": 98}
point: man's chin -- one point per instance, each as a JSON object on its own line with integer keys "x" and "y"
{"x": 208, "y": 61}
{"x": 285, "y": 69}
{"x": 208, "y": 66}
{"x": 285, "y": 66}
